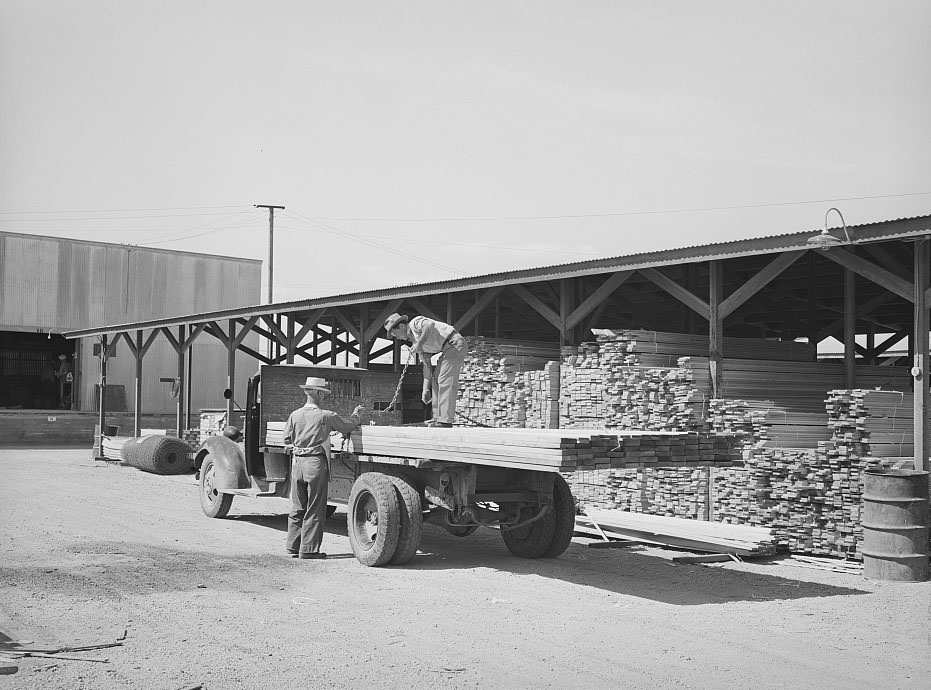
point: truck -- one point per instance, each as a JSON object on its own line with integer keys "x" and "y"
{"x": 387, "y": 497}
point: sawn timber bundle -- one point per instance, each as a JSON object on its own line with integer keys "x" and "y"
{"x": 563, "y": 450}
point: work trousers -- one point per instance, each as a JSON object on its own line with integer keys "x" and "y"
{"x": 309, "y": 477}
{"x": 446, "y": 383}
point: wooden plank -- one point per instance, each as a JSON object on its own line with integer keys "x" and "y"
{"x": 872, "y": 272}
{"x": 687, "y": 298}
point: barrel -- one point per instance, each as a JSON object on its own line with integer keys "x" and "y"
{"x": 895, "y": 525}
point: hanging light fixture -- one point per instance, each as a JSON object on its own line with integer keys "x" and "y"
{"x": 825, "y": 240}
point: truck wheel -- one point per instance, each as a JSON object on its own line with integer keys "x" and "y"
{"x": 373, "y": 518}
{"x": 533, "y": 540}
{"x": 411, "y": 528}
{"x": 214, "y": 504}
{"x": 564, "y": 517}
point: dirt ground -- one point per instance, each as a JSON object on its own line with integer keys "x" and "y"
{"x": 90, "y": 551}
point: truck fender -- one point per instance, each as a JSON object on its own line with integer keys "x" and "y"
{"x": 229, "y": 462}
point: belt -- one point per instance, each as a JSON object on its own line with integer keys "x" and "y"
{"x": 298, "y": 454}
{"x": 446, "y": 342}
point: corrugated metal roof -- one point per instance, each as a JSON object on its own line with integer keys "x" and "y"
{"x": 900, "y": 228}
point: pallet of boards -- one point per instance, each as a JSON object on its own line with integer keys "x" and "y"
{"x": 557, "y": 449}
{"x": 681, "y": 344}
{"x": 694, "y": 535}
{"x": 800, "y": 386}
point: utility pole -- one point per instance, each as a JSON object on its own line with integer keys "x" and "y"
{"x": 271, "y": 257}
{"x": 271, "y": 243}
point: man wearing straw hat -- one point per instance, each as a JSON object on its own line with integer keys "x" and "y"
{"x": 307, "y": 438}
{"x": 429, "y": 337}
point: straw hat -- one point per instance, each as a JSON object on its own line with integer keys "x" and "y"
{"x": 393, "y": 321}
{"x": 315, "y": 383}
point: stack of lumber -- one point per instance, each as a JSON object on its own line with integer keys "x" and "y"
{"x": 682, "y": 344}
{"x": 491, "y": 381}
{"x": 881, "y": 419}
{"x": 799, "y": 386}
{"x": 694, "y": 535}
{"x": 562, "y": 450}
{"x": 541, "y": 397}
{"x": 613, "y": 384}
{"x": 582, "y": 389}
{"x": 768, "y": 424}
{"x": 274, "y": 433}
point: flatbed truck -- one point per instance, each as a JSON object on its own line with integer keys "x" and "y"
{"x": 387, "y": 498}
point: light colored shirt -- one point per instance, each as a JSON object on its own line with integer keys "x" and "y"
{"x": 308, "y": 428}
{"x": 427, "y": 335}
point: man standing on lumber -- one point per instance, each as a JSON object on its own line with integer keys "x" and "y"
{"x": 440, "y": 383}
{"x": 307, "y": 438}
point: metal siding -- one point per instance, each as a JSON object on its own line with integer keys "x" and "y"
{"x": 97, "y": 284}
{"x": 46, "y": 282}
{"x": 79, "y": 308}
{"x": 16, "y": 287}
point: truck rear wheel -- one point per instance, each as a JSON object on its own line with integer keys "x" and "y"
{"x": 563, "y": 517}
{"x": 531, "y": 540}
{"x": 213, "y": 503}
{"x": 373, "y": 518}
{"x": 410, "y": 505}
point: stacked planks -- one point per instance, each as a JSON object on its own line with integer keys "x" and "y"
{"x": 541, "y": 397}
{"x": 492, "y": 383}
{"x": 555, "y": 449}
{"x": 695, "y": 535}
{"x": 882, "y": 419}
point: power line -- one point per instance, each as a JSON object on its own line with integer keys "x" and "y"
{"x": 376, "y": 245}
{"x": 127, "y": 210}
{"x": 613, "y": 214}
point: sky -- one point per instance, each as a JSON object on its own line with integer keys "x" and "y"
{"x": 418, "y": 141}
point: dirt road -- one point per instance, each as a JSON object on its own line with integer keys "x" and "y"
{"x": 89, "y": 550}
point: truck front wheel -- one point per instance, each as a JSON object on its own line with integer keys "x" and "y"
{"x": 373, "y": 518}
{"x": 213, "y": 503}
{"x": 563, "y": 518}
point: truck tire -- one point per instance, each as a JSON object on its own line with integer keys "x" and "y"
{"x": 533, "y": 540}
{"x": 373, "y": 518}
{"x": 563, "y": 517}
{"x": 411, "y": 527}
{"x": 213, "y": 503}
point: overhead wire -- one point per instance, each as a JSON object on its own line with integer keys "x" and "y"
{"x": 611, "y": 214}
{"x": 355, "y": 238}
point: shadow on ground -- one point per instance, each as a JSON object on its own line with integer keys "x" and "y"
{"x": 628, "y": 570}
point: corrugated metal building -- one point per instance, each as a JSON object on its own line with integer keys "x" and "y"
{"x": 52, "y": 285}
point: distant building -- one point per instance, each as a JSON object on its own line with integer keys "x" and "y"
{"x": 51, "y": 285}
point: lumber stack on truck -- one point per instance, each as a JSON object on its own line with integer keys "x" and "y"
{"x": 561, "y": 450}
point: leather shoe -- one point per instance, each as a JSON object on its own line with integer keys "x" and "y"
{"x": 293, "y": 554}
{"x": 439, "y": 425}
{"x": 315, "y": 556}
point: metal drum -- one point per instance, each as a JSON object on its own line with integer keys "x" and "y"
{"x": 895, "y": 525}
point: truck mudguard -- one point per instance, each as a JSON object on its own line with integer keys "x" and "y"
{"x": 229, "y": 462}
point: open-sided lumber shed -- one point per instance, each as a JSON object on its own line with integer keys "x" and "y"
{"x": 873, "y": 283}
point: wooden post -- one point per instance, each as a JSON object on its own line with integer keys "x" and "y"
{"x": 850, "y": 329}
{"x": 179, "y": 405}
{"x": 566, "y": 300}
{"x": 137, "y": 396}
{"x": 715, "y": 326}
{"x": 922, "y": 442}
{"x": 291, "y": 344}
{"x": 102, "y": 415}
{"x": 715, "y": 357}
{"x": 231, "y": 371}
{"x": 364, "y": 344}
{"x": 333, "y": 341}
{"x": 449, "y": 308}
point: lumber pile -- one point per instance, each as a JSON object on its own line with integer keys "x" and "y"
{"x": 492, "y": 383}
{"x": 561, "y": 450}
{"x": 882, "y": 420}
{"x": 541, "y": 397}
{"x": 683, "y": 344}
{"x": 695, "y": 535}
